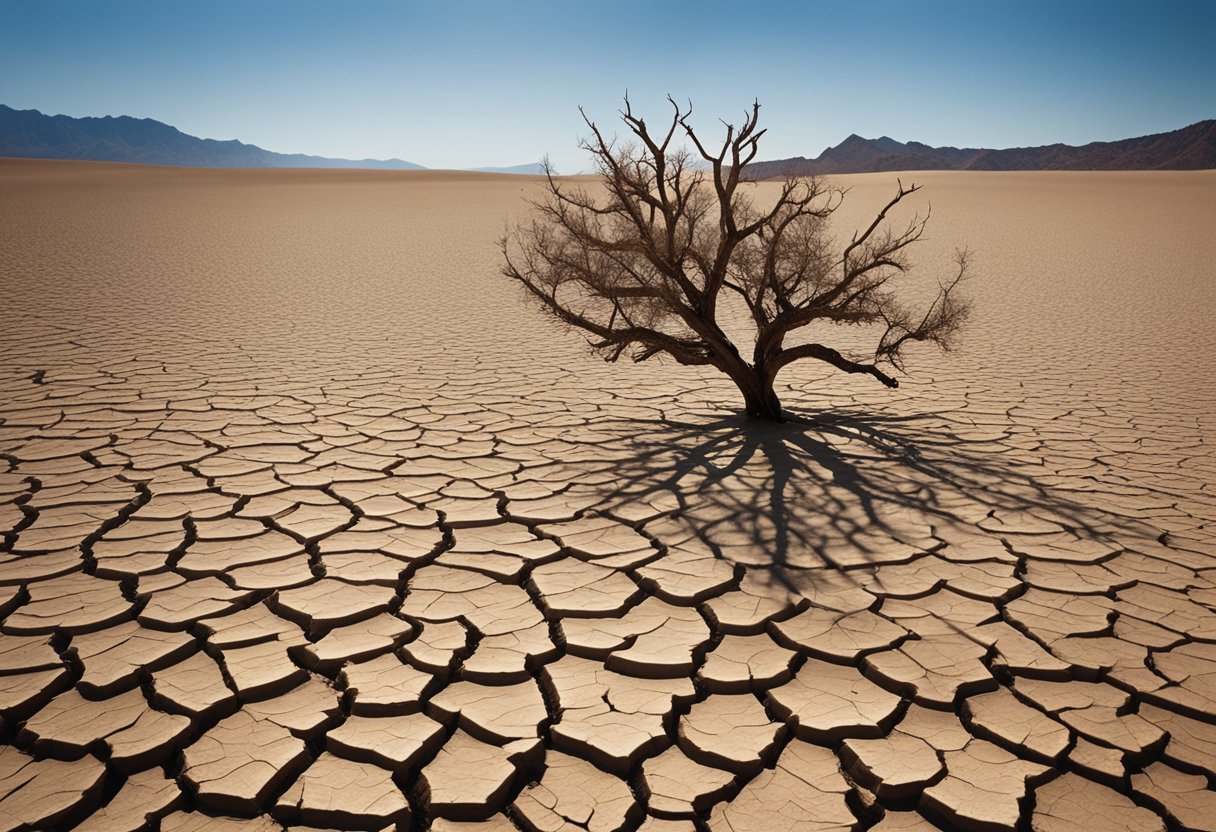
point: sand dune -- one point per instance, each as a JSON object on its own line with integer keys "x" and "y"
{"x": 292, "y": 482}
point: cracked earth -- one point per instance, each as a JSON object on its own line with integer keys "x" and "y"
{"x": 308, "y": 520}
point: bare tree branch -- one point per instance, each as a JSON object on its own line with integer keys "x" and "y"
{"x": 641, "y": 264}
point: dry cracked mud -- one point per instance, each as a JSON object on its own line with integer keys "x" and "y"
{"x": 308, "y": 521}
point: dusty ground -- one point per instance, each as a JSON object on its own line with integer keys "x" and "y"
{"x": 307, "y": 518}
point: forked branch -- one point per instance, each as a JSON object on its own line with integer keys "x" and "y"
{"x": 641, "y": 262}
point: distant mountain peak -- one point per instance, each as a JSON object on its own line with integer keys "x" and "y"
{"x": 32, "y": 134}
{"x": 528, "y": 168}
{"x": 1191, "y": 148}
{"x": 146, "y": 141}
{"x": 890, "y": 145}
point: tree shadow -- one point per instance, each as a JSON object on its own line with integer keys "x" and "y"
{"x": 846, "y": 488}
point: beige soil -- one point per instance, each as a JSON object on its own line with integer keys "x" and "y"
{"x": 293, "y": 482}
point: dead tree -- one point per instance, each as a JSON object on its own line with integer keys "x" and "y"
{"x": 645, "y": 264}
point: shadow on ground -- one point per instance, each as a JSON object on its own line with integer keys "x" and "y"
{"x": 845, "y": 488}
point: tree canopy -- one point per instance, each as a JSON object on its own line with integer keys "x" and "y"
{"x": 643, "y": 263}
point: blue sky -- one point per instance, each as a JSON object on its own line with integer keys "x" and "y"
{"x": 458, "y": 84}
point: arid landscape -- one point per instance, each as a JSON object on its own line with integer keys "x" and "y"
{"x": 310, "y": 520}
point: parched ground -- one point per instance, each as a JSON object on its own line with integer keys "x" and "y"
{"x": 309, "y": 520}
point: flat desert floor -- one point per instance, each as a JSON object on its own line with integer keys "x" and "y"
{"x": 309, "y": 519}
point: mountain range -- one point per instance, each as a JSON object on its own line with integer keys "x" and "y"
{"x": 31, "y": 134}
{"x": 531, "y": 169}
{"x": 1191, "y": 148}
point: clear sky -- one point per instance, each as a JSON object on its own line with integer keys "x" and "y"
{"x": 461, "y": 84}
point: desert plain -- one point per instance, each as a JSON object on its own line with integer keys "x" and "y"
{"x": 309, "y": 519}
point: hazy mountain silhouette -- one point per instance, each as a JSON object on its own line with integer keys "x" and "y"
{"x": 1191, "y": 148}
{"x": 531, "y": 168}
{"x": 32, "y": 134}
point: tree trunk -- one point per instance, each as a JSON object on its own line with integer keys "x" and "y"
{"x": 762, "y": 402}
